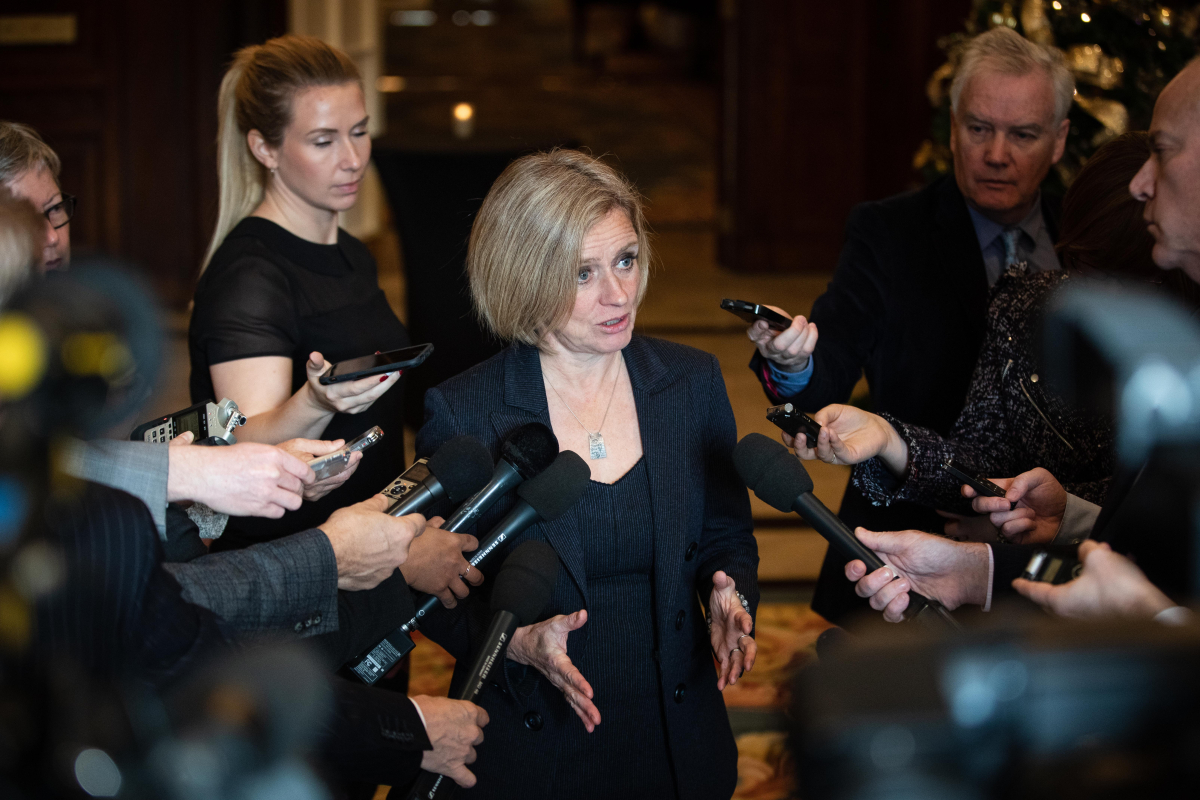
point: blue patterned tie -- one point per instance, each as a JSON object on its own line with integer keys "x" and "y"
{"x": 1010, "y": 236}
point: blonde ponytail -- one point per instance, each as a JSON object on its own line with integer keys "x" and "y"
{"x": 239, "y": 175}
{"x": 256, "y": 94}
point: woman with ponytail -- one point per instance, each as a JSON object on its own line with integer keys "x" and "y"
{"x": 284, "y": 292}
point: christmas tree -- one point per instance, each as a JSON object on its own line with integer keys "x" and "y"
{"x": 1122, "y": 54}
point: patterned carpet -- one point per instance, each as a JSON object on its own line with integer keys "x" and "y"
{"x": 786, "y": 634}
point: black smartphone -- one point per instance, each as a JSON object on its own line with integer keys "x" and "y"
{"x": 793, "y": 421}
{"x": 975, "y": 479}
{"x": 753, "y": 312}
{"x": 377, "y": 364}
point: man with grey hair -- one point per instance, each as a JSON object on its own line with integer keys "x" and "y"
{"x": 29, "y": 169}
{"x": 907, "y": 304}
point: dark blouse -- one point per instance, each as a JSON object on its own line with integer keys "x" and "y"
{"x": 267, "y": 292}
{"x": 1011, "y": 422}
{"x": 618, "y": 550}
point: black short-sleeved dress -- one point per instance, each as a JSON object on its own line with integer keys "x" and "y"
{"x": 267, "y": 292}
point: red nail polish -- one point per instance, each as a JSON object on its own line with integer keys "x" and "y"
{"x": 382, "y": 378}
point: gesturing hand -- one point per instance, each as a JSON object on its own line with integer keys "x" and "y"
{"x": 246, "y": 479}
{"x": 729, "y": 636}
{"x": 544, "y": 647}
{"x": 790, "y": 348}
{"x": 951, "y": 572}
{"x": 455, "y": 729}
{"x": 436, "y": 565}
{"x": 1109, "y": 585}
{"x": 308, "y": 449}
{"x": 1041, "y": 501}
{"x": 345, "y": 397}
{"x": 850, "y": 435}
{"x": 368, "y": 544}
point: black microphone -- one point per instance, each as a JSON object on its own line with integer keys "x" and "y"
{"x": 544, "y": 498}
{"x": 779, "y": 479}
{"x": 458, "y": 469}
{"x": 520, "y": 594}
{"x": 526, "y": 452}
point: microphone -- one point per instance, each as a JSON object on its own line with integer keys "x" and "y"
{"x": 526, "y": 452}
{"x": 458, "y": 469}
{"x": 521, "y": 592}
{"x": 780, "y": 480}
{"x": 543, "y": 499}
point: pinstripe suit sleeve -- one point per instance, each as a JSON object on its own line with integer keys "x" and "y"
{"x": 728, "y": 542}
{"x": 137, "y": 468}
{"x": 286, "y": 585}
{"x": 452, "y": 630}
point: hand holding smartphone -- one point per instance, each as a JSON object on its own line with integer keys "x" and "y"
{"x": 377, "y": 364}
{"x": 753, "y": 312}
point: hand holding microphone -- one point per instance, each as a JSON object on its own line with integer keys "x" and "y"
{"x": 780, "y": 481}
{"x": 956, "y": 573}
{"x": 522, "y": 590}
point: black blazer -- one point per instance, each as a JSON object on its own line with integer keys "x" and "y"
{"x": 701, "y": 517}
{"x": 907, "y": 307}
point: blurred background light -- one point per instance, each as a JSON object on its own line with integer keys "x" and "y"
{"x": 414, "y": 18}
{"x": 97, "y": 774}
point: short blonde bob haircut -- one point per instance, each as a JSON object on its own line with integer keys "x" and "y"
{"x": 525, "y": 251}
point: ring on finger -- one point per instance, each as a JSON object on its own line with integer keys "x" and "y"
{"x": 736, "y": 650}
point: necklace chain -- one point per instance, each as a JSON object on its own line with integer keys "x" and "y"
{"x": 606, "y": 408}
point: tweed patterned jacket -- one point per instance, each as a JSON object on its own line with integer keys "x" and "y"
{"x": 1011, "y": 422}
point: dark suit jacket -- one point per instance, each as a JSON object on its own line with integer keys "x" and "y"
{"x": 701, "y": 517}
{"x": 907, "y": 306}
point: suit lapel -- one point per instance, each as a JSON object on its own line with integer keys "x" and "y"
{"x": 525, "y": 402}
{"x": 662, "y": 419}
{"x": 958, "y": 261}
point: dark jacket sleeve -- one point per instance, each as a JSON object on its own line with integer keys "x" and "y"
{"x": 372, "y": 736}
{"x": 849, "y": 317}
{"x": 727, "y": 542}
{"x": 454, "y": 629}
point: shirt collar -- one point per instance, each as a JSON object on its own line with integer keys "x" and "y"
{"x": 986, "y": 230}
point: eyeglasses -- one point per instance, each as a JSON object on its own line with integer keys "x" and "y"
{"x": 61, "y": 212}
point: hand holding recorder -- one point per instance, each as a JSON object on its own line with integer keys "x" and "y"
{"x": 1110, "y": 585}
{"x": 850, "y": 435}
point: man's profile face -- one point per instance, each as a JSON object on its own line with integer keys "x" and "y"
{"x": 1169, "y": 181}
{"x": 1005, "y": 139}
{"x": 37, "y": 185}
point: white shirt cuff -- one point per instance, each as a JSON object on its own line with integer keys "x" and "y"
{"x": 417, "y": 706}
{"x": 987, "y": 605}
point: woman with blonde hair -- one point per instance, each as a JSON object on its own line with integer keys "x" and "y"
{"x": 284, "y": 292}
{"x": 615, "y": 694}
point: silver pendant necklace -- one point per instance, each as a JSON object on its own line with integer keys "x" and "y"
{"x": 596, "y": 449}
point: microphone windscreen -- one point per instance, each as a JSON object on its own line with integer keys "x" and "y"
{"x": 462, "y": 466}
{"x": 558, "y": 487}
{"x": 526, "y": 581}
{"x": 530, "y": 448}
{"x": 771, "y": 472}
